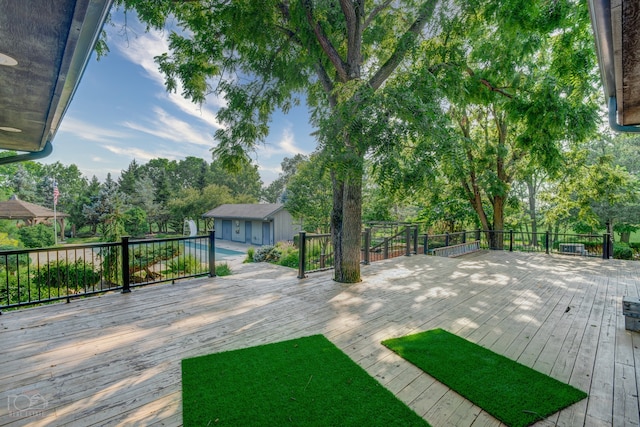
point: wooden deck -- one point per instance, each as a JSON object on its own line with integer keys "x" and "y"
{"x": 115, "y": 359}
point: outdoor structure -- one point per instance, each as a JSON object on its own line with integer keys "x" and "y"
{"x": 615, "y": 27}
{"x": 30, "y": 213}
{"x": 44, "y": 49}
{"x": 255, "y": 224}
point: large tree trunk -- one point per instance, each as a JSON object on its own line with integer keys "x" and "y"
{"x": 497, "y": 240}
{"x": 346, "y": 224}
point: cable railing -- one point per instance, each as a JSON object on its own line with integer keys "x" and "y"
{"x": 36, "y": 276}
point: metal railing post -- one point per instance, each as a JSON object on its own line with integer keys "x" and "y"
{"x": 606, "y": 246}
{"x": 302, "y": 253}
{"x": 386, "y": 248}
{"x": 415, "y": 240}
{"x": 407, "y": 239}
{"x": 367, "y": 245}
{"x": 464, "y": 236}
{"x": 125, "y": 265}
{"x": 426, "y": 244}
{"x": 478, "y": 234}
{"x": 446, "y": 238}
{"x": 510, "y": 240}
{"x": 546, "y": 241}
{"x": 212, "y": 253}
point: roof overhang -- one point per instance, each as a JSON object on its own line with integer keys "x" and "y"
{"x": 44, "y": 48}
{"x": 616, "y": 27}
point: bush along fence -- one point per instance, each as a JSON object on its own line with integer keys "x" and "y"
{"x": 36, "y": 276}
{"x": 316, "y": 250}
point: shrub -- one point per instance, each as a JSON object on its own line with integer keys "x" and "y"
{"x": 266, "y": 253}
{"x": 290, "y": 259}
{"x": 60, "y": 274}
{"x": 634, "y": 245}
{"x": 223, "y": 269}
{"x": 13, "y": 262}
{"x": 250, "y": 253}
{"x": 288, "y": 254}
{"x": 622, "y": 251}
{"x": 37, "y": 236}
{"x": 186, "y": 265}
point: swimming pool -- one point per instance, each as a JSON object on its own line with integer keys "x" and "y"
{"x": 220, "y": 253}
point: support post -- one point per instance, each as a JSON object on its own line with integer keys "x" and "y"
{"x": 607, "y": 250}
{"x": 415, "y": 240}
{"x": 212, "y": 253}
{"x": 126, "y": 288}
{"x": 367, "y": 245}
{"x": 407, "y": 238}
{"x": 546, "y": 241}
{"x": 510, "y": 240}
{"x": 446, "y": 238}
{"x": 386, "y": 248}
{"x": 464, "y": 236}
{"x": 302, "y": 253}
{"x": 426, "y": 244}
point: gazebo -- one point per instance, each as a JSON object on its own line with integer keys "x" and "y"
{"x": 30, "y": 213}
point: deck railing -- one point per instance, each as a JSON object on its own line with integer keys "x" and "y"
{"x": 316, "y": 250}
{"x": 35, "y": 276}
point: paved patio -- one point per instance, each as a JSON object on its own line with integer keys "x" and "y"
{"x": 115, "y": 359}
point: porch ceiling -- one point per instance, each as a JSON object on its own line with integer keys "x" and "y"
{"x": 44, "y": 48}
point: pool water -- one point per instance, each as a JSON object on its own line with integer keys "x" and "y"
{"x": 221, "y": 253}
{"x": 227, "y": 252}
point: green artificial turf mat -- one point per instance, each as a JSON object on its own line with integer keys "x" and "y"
{"x": 303, "y": 382}
{"x": 511, "y": 392}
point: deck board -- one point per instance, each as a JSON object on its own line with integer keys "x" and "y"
{"x": 115, "y": 359}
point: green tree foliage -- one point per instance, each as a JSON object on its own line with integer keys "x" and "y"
{"x": 37, "y": 236}
{"x": 129, "y": 178}
{"x": 244, "y": 183}
{"x": 309, "y": 195}
{"x": 24, "y": 185}
{"x": 107, "y": 211}
{"x": 519, "y": 82}
{"x": 192, "y": 172}
{"x": 192, "y": 203}
{"x": 86, "y": 197}
{"x": 593, "y": 192}
{"x": 276, "y": 191}
{"x": 262, "y": 55}
{"x": 135, "y": 222}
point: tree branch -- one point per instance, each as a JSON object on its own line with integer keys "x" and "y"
{"x": 375, "y": 13}
{"x": 404, "y": 44}
{"x": 491, "y": 87}
{"x": 327, "y": 84}
{"x": 324, "y": 42}
{"x": 353, "y": 12}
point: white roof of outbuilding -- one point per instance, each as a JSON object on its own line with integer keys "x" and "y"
{"x": 262, "y": 211}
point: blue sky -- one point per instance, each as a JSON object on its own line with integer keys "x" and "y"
{"x": 121, "y": 111}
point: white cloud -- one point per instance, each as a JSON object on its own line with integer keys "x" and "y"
{"x": 132, "y": 153}
{"x": 90, "y": 132}
{"x": 165, "y": 126}
{"x": 285, "y": 146}
{"x": 141, "y": 48}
